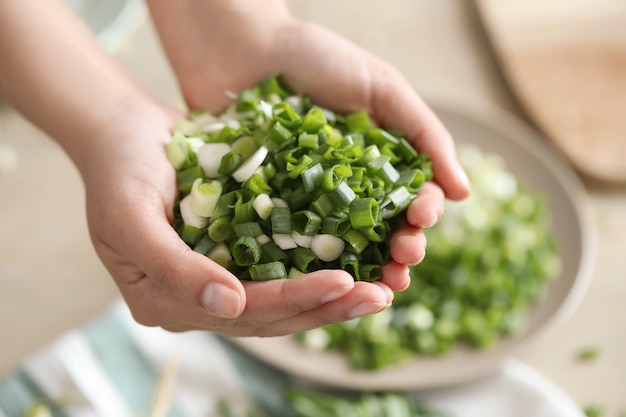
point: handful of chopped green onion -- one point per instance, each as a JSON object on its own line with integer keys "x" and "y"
{"x": 490, "y": 259}
{"x": 276, "y": 187}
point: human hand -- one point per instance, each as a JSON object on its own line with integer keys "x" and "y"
{"x": 216, "y": 47}
{"x": 131, "y": 191}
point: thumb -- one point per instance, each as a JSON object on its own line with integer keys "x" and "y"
{"x": 176, "y": 269}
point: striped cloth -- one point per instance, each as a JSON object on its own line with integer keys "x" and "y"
{"x": 113, "y": 367}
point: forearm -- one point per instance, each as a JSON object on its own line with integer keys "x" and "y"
{"x": 54, "y": 72}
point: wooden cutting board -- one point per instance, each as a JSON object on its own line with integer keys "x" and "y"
{"x": 566, "y": 62}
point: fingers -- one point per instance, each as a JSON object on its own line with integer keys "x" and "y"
{"x": 333, "y": 298}
{"x": 364, "y": 299}
{"x": 395, "y": 105}
{"x": 427, "y": 208}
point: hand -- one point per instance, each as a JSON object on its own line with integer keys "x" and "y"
{"x": 131, "y": 191}
{"x": 215, "y": 48}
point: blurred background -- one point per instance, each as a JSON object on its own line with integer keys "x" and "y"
{"x": 559, "y": 65}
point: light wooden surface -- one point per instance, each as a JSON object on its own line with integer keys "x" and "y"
{"x": 566, "y": 61}
{"x": 51, "y": 280}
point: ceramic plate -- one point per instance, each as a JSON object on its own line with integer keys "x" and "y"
{"x": 531, "y": 158}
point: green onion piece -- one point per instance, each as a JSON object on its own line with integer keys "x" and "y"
{"x": 268, "y": 271}
{"x": 381, "y": 137}
{"x": 304, "y": 259}
{"x": 271, "y": 252}
{"x": 286, "y": 116}
{"x": 335, "y": 225}
{"x": 342, "y": 196}
{"x": 263, "y": 206}
{"x": 204, "y": 196}
{"x": 405, "y": 150}
{"x": 412, "y": 179}
{"x": 256, "y": 183}
{"x": 189, "y": 216}
{"x": 358, "y": 121}
{"x": 306, "y": 222}
{"x": 294, "y": 273}
{"x": 281, "y": 220}
{"x": 245, "y": 146}
{"x": 327, "y": 247}
{"x": 179, "y": 152}
{"x": 226, "y": 204}
{"x": 229, "y": 163}
{"x": 244, "y": 208}
{"x": 312, "y": 177}
{"x": 269, "y": 170}
{"x": 220, "y": 229}
{"x": 246, "y": 251}
{"x": 247, "y": 100}
{"x": 313, "y": 120}
{"x": 191, "y": 235}
{"x": 364, "y": 212}
{"x": 246, "y": 169}
{"x": 374, "y": 233}
{"x": 210, "y": 157}
{"x": 247, "y": 229}
{"x": 370, "y": 272}
{"x": 308, "y": 140}
{"x": 334, "y": 176}
{"x": 304, "y": 241}
{"x": 357, "y": 241}
{"x": 323, "y": 205}
{"x": 396, "y": 201}
{"x": 186, "y": 178}
{"x": 279, "y": 133}
{"x": 227, "y": 135}
{"x": 295, "y": 169}
{"x": 356, "y": 180}
{"x": 220, "y": 254}
{"x": 275, "y": 85}
{"x": 350, "y": 263}
{"x": 370, "y": 153}
{"x": 388, "y": 173}
{"x": 284, "y": 241}
{"x": 204, "y": 244}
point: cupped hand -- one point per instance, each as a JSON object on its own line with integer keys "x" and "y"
{"x": 232, "y": 45}
{"x": 131, "y": 192}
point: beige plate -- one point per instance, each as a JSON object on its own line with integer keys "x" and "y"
{"x": 527, "y": 156}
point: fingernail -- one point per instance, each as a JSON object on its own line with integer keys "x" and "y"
{"x": 221, "y": 300}
{"x": 364, "y": 309}
{"x": 433, "y": 221}
{"x": 462, "y": 175}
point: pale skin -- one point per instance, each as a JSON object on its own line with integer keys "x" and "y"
{"x": 54, "y": 72}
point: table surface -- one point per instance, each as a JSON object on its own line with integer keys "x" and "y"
{"x": 51, "y": 280}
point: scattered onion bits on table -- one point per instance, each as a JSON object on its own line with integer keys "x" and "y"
{"x": 275, "y": 186}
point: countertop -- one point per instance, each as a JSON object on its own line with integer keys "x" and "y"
{"x": 51, "y": 280}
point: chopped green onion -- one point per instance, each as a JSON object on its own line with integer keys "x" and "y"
{"x": 364, "y": 212}
{"x": 189, "y": 216}
{"x": 220, "y": 254}
{"x": 276, "y": 168}
{"x": 281, "y": 220}
{"x": 220, "y": 229}
{"x": 210, "y": 157}
{"x": 204, "y": 197}
{"x": 263, "y": 205}
{"x": 246, "y": 251}
{"x": 268, "y": 271}
{"x": 250, "y": 165}
{"x": 306, "y": 222}
{"x": 327, "y": 247}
